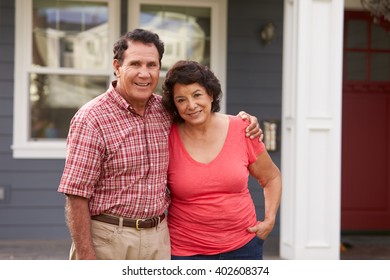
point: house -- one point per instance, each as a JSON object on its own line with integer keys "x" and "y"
{"x": 303, "y": 67}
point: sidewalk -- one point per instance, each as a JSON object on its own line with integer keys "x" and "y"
{"x": 59, "y": 249}
{"x": 34, "y": 249}
{"x": 353, "y": 247}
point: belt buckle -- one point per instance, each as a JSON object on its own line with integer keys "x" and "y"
{"x": 137, "y": 224}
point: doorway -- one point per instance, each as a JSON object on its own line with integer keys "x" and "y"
{"x": 365, "y": 180}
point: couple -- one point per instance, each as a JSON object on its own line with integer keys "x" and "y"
{"x": 118, "y": 157}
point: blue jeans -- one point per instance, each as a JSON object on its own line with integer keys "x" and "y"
{"x": 253, "y": 250}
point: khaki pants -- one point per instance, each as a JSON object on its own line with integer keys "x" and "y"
{"x": 113, "y": 242}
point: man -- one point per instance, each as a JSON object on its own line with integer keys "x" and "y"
{"x": 115, "y": 174}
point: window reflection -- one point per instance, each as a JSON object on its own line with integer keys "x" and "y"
{"x": 54, "y": 99}
{"x": 64, "y": 32}
{"x": 184, "y": 30}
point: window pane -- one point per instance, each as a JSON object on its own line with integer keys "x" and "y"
{"x": 380, "y": 38}
{"x": 380, "y": 67}
{"x": 357, "y": 34}
{"x": 158, "y": 89}
{"x": 54, "y": 99}
{"x": 185, "y": 31}
{"x": 357, "y": 65}
{"x": 65, "y": 31}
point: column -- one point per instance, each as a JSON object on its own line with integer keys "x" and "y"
{"x": 311, "y": 129}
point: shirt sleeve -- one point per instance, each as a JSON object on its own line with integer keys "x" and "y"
{"x": 83, "y": 161}
{"x": 254, "y": 148}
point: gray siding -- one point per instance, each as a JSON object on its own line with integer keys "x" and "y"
{"x": 254, "y": 70}
{"x": 33, "y": 208}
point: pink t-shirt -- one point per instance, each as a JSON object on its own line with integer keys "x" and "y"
{"x": 211, "y": 206}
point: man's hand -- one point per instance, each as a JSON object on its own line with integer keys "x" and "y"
{"x": 253, "y": 130}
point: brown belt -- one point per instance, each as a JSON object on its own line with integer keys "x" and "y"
{"x": 138, "y": 224}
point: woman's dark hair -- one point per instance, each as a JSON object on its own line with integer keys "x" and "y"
{"x": 137, "y": 35}
{"x": 187, "y": 72}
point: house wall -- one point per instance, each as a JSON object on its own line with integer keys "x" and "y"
{"x": 33, "y": 209}
{"x": 254, "y": 75}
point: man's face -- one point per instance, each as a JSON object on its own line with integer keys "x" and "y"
{"x": 139, "y": 73}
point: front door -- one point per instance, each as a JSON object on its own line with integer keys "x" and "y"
{"x": 365, "y": 125}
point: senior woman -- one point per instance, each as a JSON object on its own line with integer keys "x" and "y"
{"x": 212, "y": 215}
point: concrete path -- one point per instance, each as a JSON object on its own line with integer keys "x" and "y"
{"x": 353, "y": 247}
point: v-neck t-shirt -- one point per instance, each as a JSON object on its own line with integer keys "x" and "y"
{"x": 211, "y": 206}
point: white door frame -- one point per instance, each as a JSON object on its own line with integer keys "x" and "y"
{"x": 311, "y": 129}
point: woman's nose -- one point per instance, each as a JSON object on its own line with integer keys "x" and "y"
{"x": 192, "y": 104}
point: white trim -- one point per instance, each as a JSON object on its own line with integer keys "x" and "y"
{"x": 218, "y": 49}
{"x": 22, "y": 146}
{"x": 311, "y": 129}
{"x": 41, "y": 149}
{"x": 68, "y": 71}
{"x": 20, "y": 128}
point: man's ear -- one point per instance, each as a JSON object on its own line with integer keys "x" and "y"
{"x": 116, "y": 65}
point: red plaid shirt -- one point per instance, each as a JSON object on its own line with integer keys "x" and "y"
{"x": 118, "y": 159}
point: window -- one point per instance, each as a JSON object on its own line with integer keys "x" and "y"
{"x": 63, "y": 55}
{"x": 63, "y": 59}
{"x": 367, "y": 50}
{"x": 194, "y": 30}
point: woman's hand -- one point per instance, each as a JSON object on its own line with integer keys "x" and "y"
{"x": 262, "y": 229}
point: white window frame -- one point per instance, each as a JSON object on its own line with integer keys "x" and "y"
{"x": 218, "y": 56}
{"x": 23, "y": 146}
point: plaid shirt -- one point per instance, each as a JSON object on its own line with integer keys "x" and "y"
{"x": 117, "y": 158}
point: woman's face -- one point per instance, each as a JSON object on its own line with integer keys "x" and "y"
{"x": 192, "y": 102}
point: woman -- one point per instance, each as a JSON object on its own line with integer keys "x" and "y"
{"x": 212, "y": 215}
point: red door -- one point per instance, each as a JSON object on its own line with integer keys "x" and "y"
{"x": 365, "y": 200}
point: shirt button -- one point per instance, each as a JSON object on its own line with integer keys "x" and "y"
{"x": 149, "y": 187}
